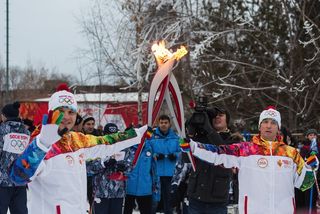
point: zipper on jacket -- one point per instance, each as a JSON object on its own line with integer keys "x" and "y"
{"x": 246, "y": 204}
{"x": 294, "y": 205}
{"x": 272, "y": 177}
{"x": 58, "y": 209}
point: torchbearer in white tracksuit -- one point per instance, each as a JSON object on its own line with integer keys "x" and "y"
{"x": 269, "y": 170}
{"x": 55, "y": 165}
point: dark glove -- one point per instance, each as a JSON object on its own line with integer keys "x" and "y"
{"x": 121, "y": 167}
{"x": 160, "y": 156}
{"x": 110, "y": 164}
{"x": 172, "y": 157}
{"x": 173, "y": 189}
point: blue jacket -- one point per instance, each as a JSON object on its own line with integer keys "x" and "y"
{"x": 166, "y": 145}
{"x": 143, "y": 179}
{"x": 14, "y": 138}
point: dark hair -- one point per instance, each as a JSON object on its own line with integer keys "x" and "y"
{"x": 11, "y": 110}
{"x": 212, "y": 113}
{"x": 87, "y": 118}
{"x": 79, "y": 119}
{"x": 164, "y": 117}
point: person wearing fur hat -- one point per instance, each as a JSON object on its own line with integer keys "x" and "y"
{"x": 14, "y": 138}
{"x": 54, "y": 162}
{"x": 269, "y": 170}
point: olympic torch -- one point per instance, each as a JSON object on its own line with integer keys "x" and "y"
{"x": 164, "y": 86}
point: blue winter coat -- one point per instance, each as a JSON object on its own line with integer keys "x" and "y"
{"x": 143, "y": 179}
{"x": 165, "y": 144}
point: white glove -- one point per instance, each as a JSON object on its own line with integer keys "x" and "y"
{"x": 140, "y": 131}
{"x": 192, "y": 145}
{"x": 49, "y": 130}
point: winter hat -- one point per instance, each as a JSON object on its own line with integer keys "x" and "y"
{"x": 110, "y": 128}
{"x": 270, "y": 113}
{"x": 63, "y": 98}
{"x": 11, "y": 110}
{"x": 311, "y": 131}
{"x": 87, "y": 118}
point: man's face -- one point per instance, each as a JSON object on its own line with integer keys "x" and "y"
{"x": 69, "y": 118}
{"x": 164, "y": 125}
{"x": 312, "y": 136}
{"x": 88, "y": 127}
{"x": 220, "y": 122}
{"x": 269, "y": 129}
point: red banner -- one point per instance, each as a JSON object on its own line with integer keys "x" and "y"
{"x": 122, "y": 114}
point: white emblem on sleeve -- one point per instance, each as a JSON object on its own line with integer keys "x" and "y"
{"x": 15, "y": 142}
{"x": 262, "y": 163}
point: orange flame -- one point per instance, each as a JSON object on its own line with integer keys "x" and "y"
{"x": 162, "y": 54}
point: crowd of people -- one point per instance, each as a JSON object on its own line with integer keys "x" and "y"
{"x": 70, "y": 167}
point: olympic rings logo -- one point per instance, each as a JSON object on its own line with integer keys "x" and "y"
{"x": 271, "y": 113}
{"x": 66, "y": 100}
{"x": 18, "y": 144}
{"x": 112, "y": 129}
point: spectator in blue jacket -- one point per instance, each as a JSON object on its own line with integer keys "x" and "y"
{"x": 143, "y": 182}
{"x": 14, "y": 138}
{"x": 165, "y": 143}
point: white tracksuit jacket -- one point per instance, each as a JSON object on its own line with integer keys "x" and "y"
{"x": 268, "y": 173}
{"x": 59, "y": 181}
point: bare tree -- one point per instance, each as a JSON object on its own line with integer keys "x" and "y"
{"x": 123, "y": 33}
{"x": 249, "y": 55}
{"x": 243, "y": 55}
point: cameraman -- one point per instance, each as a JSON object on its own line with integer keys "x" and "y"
{"x": 208, "y": 188}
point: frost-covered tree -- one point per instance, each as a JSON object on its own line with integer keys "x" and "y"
{"x": 121, "y": 33}
{"x": 251, "y": 54}
{"x": 244, "y": 55}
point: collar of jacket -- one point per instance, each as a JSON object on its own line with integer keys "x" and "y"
{"x": 225, "y": 131}
{"x": 260, "y": 141}
{"x": 13, "y": 119}
{"x": 169, "y": 133}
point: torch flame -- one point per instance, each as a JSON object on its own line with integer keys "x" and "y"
{"x": 162, "y": 54}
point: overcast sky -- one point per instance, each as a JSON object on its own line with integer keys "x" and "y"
{"x": 44, "y": 32}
